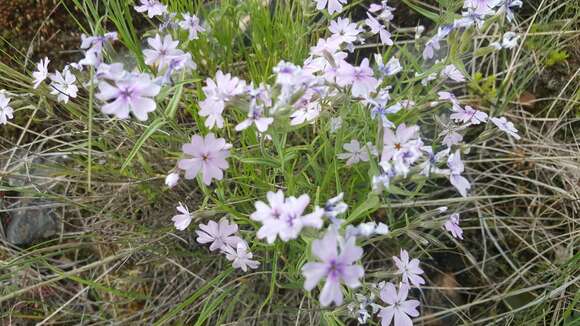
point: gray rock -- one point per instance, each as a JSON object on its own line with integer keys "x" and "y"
{"x": 31, "y": 224}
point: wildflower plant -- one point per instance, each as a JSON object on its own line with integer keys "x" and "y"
{"x": 311, "y": 145}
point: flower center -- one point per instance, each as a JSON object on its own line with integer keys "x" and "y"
{"x": 398, "y": 146}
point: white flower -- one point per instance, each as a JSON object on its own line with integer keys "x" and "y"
{"x": 41, "y": 72}
{"x": 344, "y": 31}
{"x": 451, "y": 72}
{"x": 182, "y": 220}
{"x": 171, "y": 179}
{"x": 63, "y": 85}
{"x": 509, "y": 40}
{"x": 335, "y": 124}
{"x": 161, "y": 52}
{"x": 507, "y": 126}
{"x": 333, "y": 5}
{"x": 240, "y": 256}
{"x": 354, "y": 153}
{"x": 192, "y": 25}
{"x": 153, "y": 8}
{"x": 6, "y": 112}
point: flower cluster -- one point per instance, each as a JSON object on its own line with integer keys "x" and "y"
{"x": 300, "y": 95}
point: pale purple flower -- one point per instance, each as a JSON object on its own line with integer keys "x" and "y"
{"x": 182, "y": 62}
{"x": 93, "y": 46}
{"x": 218, "y": 93}
{"x": 508, "y": 5}
{"x": 366, "y": 230}
{"x": 182, "y": 221}
{"x": 256, "y": 117}
{"x": 433, "y": 159}
{"x": 171, "y": 179}
{"x": 114, "y": 71}
{"x": 132, "y": 94}
{"x": 6, "y": 112}
{"x": 380, "y": 182}
{"x": 433, "y": 44}
{"x": 41, "y": 72}
{"x": 152, "y": 7}
{"x": 192, "y": 25}
{"x": 271, "y": 211}
{"x": 306, "y": 114}
{"x": 333, "y": 5}
{"x": 451, "y": 72}
{"x": 392, "y": 67}
{"x": 285, "y": 221}
{"x": 452, "y": 225}
{"x": 377, "y": 27}
{"x": 456, "y": 168}
{"x": 509, "y": 40}
{"x": 482, "y": 7}
{"x": 402, "y": 139}
{"x": 344, "y": 30}
{"x": 354, "y": 153}
{"x": 206, "y": 155}
{"x": 361, "y": 78}
{"x": 335, "y": 124}
{"x": 63, "y": 85}
{"x": 470, "y": 18}
{"x": 220, "y": 235}
{"x": 468, "y": 115}
{"x": 240, "y": 256}
{"x": 507, "y": 126}
{"x": 399, "y": 308}
{"x": 334, "y": 207}
{"x": 448, "y": 96}
{"x": 385, "y": 11}
{"x": 161, "y": 51}
{"x": 336, "y": 267}
{"x": 409, "y": 270}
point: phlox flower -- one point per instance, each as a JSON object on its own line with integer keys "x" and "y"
{"x": 360, "y": 78}
{"x": 336, "y": 267}
{"x": 507, "y": 126}
{"x": 355, "y": 153}
{"x": 452, "y": 225}
{"x": 448, "y": 96}
{"x": 335, "y": 124}
{"x": 132, "y": 94}
{"x": 344, "y": 30}
{"x": 255, "y": 116}
{"x": 220, "y": 235}
{"x": 168, "y": 21}
{"x": 182, "y": 221}
{"x": 240, "y": 256}
{"x": 114, "y": 71}
{"x": 456, "y": 167}
{"x": 192, "y": 25}
{"x": 152, "y": 7}
{"x": 171, "y": 179}
{"x": 433, "y": 44}
{"x": 510, "y": 40}
{"x": 177, "y": 63}
{"x": 307, "y": 114}
{"x": 409, "y": 270}
{"x": 392, "y": 67}
{"x": 6, "y": 112}
{"x": 334, "y": 207}
{"x": 385, "y": 11}
{"x": 206, "y": 155}
{"x": 161, "y": 52}
{"x": 470, "y": 18}
{"x": 283, "y": 218}
{"x": 333, "y": 5}
{"x": 433, "y": 159}
{"x": 508, "y": 5}
{"x": 399, "y": 308}
{"x": 63, "y": 85}
{"x": 402, "y": 139}
{"x": 377, "y": 27}
{"x": 482, "y": 7}
{"x": 468, "y": 115}
{"x": 218, "y": 93}
{"x": 93, "y": 46}
{"x": 380, "y": 182}
{"x": 451, "y": 72}
{"x": 41, "y": 72}
{"x": 366, "y": 230}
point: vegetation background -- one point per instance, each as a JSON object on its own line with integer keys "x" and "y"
{"x": 114, "y": 257}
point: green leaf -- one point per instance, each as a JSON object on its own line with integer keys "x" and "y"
{"x": 151, "y": 129}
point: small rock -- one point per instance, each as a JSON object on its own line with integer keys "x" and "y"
{"x": 31, "y": 224}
